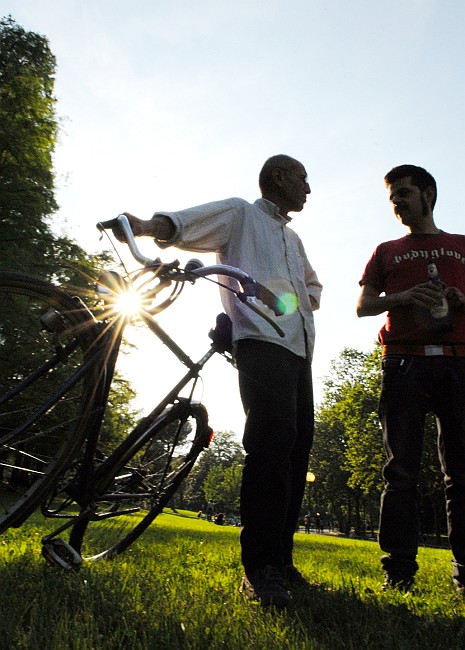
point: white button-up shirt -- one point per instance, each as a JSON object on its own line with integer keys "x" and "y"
{"x": 257, "y": 239}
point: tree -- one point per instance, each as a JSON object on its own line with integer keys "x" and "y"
{"x": 359, "y": 410}
{"x": 223, "y": 486}
{"x": 431, "y": 485}
{"x": 347, "y": 457}
{"x": 224, "y": 452}
{"x": 330, "y": 492}
{"x": 28, "y": 133}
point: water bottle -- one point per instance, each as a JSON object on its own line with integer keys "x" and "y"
{"x": 441, "y": 318}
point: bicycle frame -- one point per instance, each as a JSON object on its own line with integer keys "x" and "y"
{"x": 137, "y": 438}
{"x": 97, "y": 481}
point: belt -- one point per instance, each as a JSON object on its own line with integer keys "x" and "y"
{"x": 426, "y": 350}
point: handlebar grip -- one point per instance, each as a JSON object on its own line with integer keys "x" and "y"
{"x": 122, "y": 231}
{"x": 108, "y": 225}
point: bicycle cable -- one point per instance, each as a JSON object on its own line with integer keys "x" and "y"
{"x": 115, "y": 250}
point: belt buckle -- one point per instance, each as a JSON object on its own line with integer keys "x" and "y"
{"x": 433, "y": 350}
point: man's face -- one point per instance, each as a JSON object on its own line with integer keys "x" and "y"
{"x": 409, "y": 202}
{"x": 295, "y": 187}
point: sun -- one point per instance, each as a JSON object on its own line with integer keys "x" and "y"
{"x": 127, "y": 303}
{"x": 119, "y": 296}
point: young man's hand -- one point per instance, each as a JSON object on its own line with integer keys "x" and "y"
{"x": 455, "y": 298}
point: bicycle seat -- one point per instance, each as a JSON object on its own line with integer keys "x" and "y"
{"x": 221, "y": 334}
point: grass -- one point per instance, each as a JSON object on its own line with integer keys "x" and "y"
{"x": 177, "y": 587}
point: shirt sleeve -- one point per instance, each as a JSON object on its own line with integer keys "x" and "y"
{"x": 314, "y": 286}
{"x": 204, "y": 228}
{"x": 372, "y": 274}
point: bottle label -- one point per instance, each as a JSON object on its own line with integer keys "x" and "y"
{"x": 441, "y": 310}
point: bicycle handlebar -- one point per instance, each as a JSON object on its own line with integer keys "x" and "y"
{"x": 194, "y": 269}
{"x": 121, "y": 223}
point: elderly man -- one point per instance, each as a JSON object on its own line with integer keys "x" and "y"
{"x": 274, "y": 373}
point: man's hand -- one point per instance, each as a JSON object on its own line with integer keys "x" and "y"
{"x": 425, "y": 295}
{"x": 371, "y": 303}
{"x": 159, "y": 227}
{"x": 137, "y": 227}
{"x": 455, "y": 298}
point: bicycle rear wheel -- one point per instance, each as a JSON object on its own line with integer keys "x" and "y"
{"x": 142, "y": 489}
{"x": 47, "y": 379}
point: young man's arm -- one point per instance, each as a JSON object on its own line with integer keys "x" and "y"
{"x": 371, "y": 303}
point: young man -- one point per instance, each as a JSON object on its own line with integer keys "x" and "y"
{"x": 274, "y": 373}
{"x": 423, "y": 343}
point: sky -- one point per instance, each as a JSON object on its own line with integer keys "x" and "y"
{"x": 167, "y": 105}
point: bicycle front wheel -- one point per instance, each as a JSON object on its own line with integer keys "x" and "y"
{"x": 46, "y": 382}
{"x": 142, "y": 489}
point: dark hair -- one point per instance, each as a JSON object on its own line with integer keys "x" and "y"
{"x": 420, "y": 177}
{"x": 281, "y": 161}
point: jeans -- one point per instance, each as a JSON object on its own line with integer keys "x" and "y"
{"x": 276, "y": 391}
{"x": 412, "y": 387}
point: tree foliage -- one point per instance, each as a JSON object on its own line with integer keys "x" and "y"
{"x": 348, "y": 456}
{"x": 217, "y": 474}
{"x": 28, "y": 134}
{"x": 222, "y": 486}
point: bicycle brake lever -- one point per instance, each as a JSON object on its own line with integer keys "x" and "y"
{"x": 244, "y": 298}
{"x": 254, "y": 289}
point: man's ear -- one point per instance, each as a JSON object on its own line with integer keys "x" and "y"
{"x": 430, "y": 194}
{"x": 277, "y": 176}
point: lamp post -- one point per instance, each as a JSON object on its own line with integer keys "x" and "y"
{"x": 310, "y": 478}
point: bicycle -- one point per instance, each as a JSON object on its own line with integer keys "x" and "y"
{"x": 54, "y": 404}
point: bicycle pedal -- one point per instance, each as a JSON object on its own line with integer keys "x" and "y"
{"x": 59, "y": 553}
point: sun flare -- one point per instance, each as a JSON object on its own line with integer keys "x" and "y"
{"x": 127, "y": 303}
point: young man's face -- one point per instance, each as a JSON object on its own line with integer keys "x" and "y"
{"x": 409, "y": 202}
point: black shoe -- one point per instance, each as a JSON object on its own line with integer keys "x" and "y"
{"x": 404, "y": 585}
{"x": 294, "y": 578}
{"x": 267, "y": 586}
{"x": 399, "y": 572}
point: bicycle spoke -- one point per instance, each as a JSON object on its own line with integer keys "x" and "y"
{"x": 140, "y": 491}
{"x": 43, "y": 389}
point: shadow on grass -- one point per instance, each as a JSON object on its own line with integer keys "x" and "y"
{"x": 341, "y": 619}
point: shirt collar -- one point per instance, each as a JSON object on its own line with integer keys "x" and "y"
{"x": 272, "y": 209}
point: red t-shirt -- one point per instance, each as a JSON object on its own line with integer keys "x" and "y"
{"x": 400, "y": 264}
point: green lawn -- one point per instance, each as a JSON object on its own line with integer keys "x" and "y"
{"x": 178, "y": 588}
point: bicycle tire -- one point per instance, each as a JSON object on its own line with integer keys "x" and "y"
{"x": 47, "y": 381}
{"x": 142, "y": 489}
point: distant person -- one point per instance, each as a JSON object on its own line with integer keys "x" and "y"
{"x": 423, "y": 369}
{"x": 209, "y": 511}
{"x": 307, "y": 523}
{"x": 274, "y": 373}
